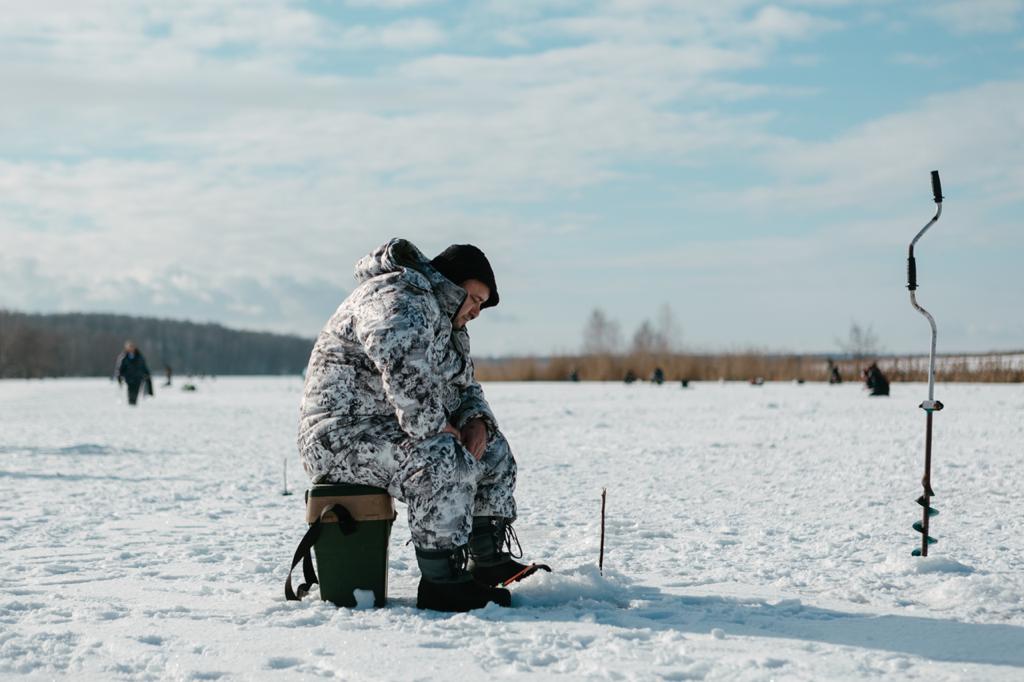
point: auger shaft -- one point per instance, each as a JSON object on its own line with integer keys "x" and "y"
{"x": 926, "y": 482}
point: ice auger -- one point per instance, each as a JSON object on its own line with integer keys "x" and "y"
{"x": 931, "y": 405}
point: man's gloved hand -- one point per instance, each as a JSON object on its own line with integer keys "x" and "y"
{"x": 474, "y": 437}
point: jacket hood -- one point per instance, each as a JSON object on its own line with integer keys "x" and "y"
{"x": 400, "y": 255}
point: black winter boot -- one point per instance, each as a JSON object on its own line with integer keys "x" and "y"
{"x": 489, "y": 563}
{"x": 446, "y": 585}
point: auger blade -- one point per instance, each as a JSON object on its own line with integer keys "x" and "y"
{"x": 916, "y": 552}
{"x": 924, "y": 502}
{"x": 920, "y": 529}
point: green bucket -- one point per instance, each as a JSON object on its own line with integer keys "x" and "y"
{"x": 357, "y": 560}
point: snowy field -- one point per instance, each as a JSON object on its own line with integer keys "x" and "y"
{"x": 753, "y": 534}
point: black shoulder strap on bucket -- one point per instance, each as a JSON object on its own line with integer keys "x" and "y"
{"x": 303, "y": 552}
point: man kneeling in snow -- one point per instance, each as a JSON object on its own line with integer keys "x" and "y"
{"x": 391, "y": 401}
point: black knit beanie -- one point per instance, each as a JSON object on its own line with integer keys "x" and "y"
{"x": 460, "y": 262}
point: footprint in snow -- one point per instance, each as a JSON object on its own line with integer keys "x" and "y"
{"x": 282, "y": 662}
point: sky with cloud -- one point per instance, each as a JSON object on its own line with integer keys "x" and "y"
{"x": 760, "y": 167}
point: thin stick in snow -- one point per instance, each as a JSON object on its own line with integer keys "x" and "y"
{"x": 285, "y": 490}
{"x": 600, "y": 560}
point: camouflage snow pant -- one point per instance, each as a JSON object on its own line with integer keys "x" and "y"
{"x": 442, "y": 484}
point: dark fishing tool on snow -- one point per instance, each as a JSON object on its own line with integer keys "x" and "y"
{"x": 600, "y": 559}
{"x": 285, "y": 491}
{"x": 931, "y": 405}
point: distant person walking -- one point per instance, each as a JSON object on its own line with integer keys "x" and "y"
{"x": 131, "y": 369}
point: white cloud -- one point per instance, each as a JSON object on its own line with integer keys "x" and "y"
{"x": 929, "y": 61}
{"x": 411, "y": 34}
{"x": 974, "y": 136}
{"x": 122, "y": 37}
{"x": 282, "y": 304}
{"x": 391, "y": 4}
{"x": 123, "y": 40}
{"x": 834, "y": 4}
{"x": 977, "y": 16}
{"x": 732, "y": 23}
{"x": 193, "y": 153}
{"x": 180, "y": 159}
{"x": 776, "y": 23}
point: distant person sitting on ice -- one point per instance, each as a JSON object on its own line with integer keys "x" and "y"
{"x": 834, "y": 377}
{"x": 391, "y": 401}
{"x": 875, "y": 380}
{"x": 130, "y": 368}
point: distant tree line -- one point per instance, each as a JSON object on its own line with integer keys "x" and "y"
{"x": 86, "y": 344}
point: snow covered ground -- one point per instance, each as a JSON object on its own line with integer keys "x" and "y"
{"x": 753, "y": 534}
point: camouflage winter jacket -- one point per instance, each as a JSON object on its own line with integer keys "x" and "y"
{"x": 390, "y": 352}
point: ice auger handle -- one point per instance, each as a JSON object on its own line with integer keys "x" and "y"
{"x": 931, "y": 405}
